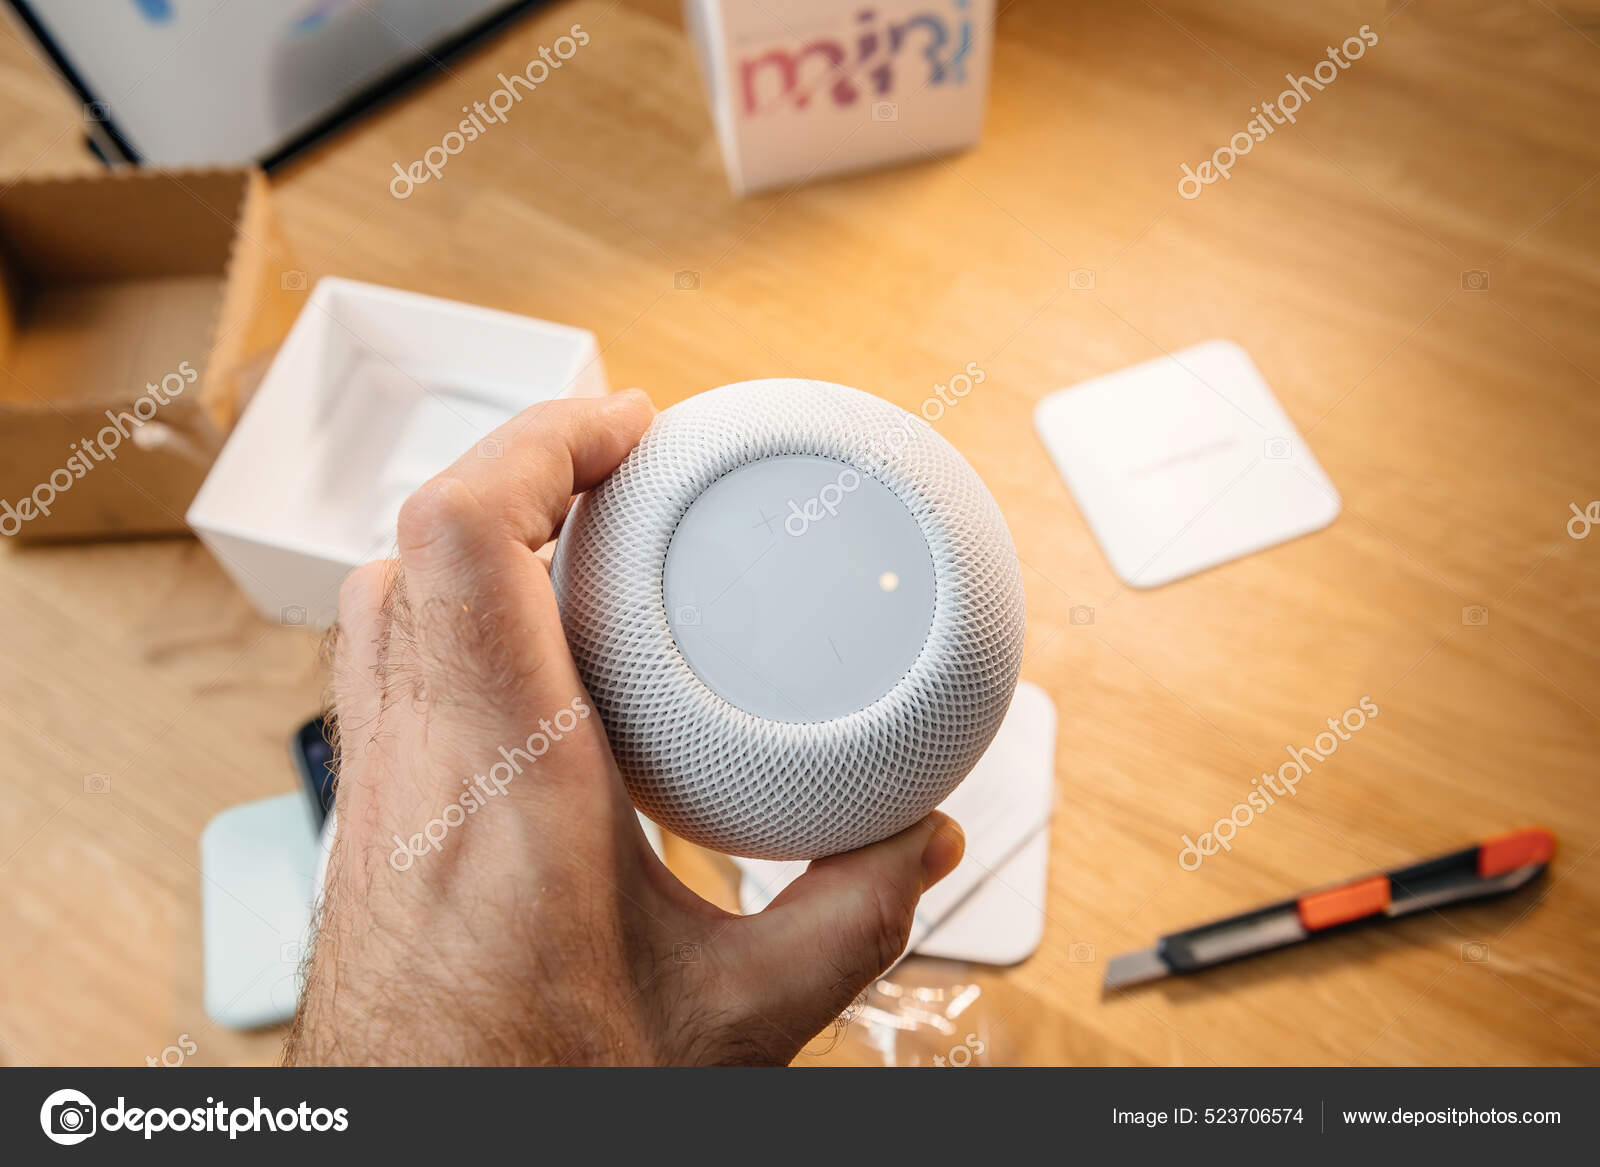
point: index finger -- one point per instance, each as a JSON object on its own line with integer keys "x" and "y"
{"x": 469, "y": 518}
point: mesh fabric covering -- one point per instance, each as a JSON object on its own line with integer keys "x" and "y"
{"x": 724, "y": 778}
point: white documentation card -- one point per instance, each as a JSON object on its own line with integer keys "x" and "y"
{"x": 1184, "y": 462}
{"x": 258, "y": 863}
{"x": 990, "y": 909}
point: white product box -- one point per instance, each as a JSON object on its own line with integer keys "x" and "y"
{"x": 374, "y": 391}
{"x": 801, "y": 91}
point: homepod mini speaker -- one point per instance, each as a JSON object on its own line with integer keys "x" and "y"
{"x": 799, "y": 614}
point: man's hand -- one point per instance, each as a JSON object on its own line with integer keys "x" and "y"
{"x": 490, "y": 897}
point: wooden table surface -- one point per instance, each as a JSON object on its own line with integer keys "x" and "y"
{"x": 1459, "y": 422}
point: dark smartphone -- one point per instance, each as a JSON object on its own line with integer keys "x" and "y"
{"x": 313, "y": 757}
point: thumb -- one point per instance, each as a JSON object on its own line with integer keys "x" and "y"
{"x": 838, "y": 926}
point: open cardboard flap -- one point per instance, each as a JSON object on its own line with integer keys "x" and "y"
{"x": 115, "y": 283}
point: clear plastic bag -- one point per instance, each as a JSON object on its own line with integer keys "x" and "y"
{"x": 923, "y": 1013}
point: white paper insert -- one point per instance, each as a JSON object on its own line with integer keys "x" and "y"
{"x": 1184, "y": 463}
{"x": 991, "y": 907}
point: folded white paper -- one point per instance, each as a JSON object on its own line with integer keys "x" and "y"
{"x": 990, "y": 909}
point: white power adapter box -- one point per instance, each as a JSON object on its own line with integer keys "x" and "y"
{"x": 802, "y": 91}
{"x": 374, "y": 391}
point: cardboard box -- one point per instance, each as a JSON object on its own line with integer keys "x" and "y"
{"x": 840, "y": 85}
{"x": 374, "y": 391}
{"x": 133, "y": 305}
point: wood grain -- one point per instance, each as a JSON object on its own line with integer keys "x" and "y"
{"x": 1459, "y": 424}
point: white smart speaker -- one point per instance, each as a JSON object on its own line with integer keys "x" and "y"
{"x": 799, "y": 614}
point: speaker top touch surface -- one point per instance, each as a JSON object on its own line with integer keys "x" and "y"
{"x": 799, "y": 614}
{"x": 798, "y": 588}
